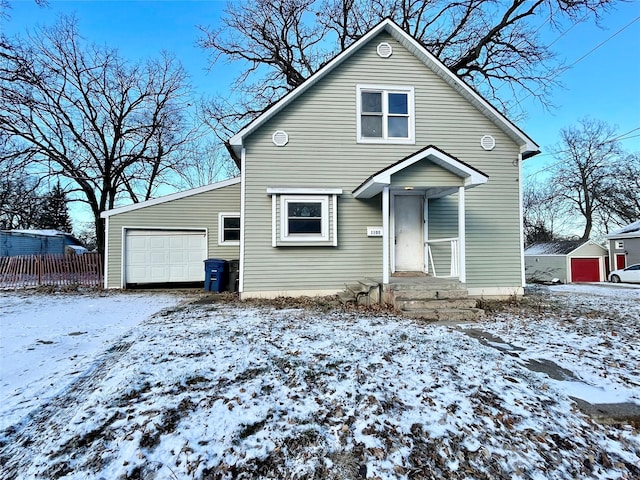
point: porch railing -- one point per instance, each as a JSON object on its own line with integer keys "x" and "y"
{"x": 454, "y": 270}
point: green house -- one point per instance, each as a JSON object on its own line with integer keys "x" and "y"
{"x": 383, "y": 163}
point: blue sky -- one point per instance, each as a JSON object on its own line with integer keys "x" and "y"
{"x": 604, "y": 85}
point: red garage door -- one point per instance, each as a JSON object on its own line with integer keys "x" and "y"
{"x": 585, "y": 270}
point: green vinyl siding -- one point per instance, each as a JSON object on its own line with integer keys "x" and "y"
{"x": 198, "y": 211}
{"x": 426, "y": 173}
{"x": 323, "y": 152}
{"x": 442, "y": 224}
{"x": 545, "y": 268}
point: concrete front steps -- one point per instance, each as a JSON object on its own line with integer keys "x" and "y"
{"x": 434, "y": 299}
{"x": 364, "y": 292}
{"x": 426, "y": 298}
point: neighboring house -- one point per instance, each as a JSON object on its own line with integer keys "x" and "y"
{"x": 36, "y": 242}
{"x": 382, "y": 163}
{"x": 568, "y": 261}
{"x": 624, "y": 246}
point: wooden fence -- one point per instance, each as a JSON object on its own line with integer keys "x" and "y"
{"x": 51, "y": 270}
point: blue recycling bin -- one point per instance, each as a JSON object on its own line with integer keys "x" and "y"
{"x": 215, "y": 274}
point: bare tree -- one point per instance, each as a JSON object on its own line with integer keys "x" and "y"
{"x": 20, "y": 204}
{"x": 620, "y": 195}
{"x": 488, "y": 43}
{"x": 81, "y": 112}
{"x": 543, "y": 213}
{"x": 205, "y": 163}
{"x": 583, "y": 169}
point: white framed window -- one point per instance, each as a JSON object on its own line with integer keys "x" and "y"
{"x": 304, "y": 218}
{"x": 385, "y": 114}
{"x": 619, "y": 244}
{"x": 228, "y": 228}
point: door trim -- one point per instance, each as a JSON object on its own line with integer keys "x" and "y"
{"x": 392, "y": 225}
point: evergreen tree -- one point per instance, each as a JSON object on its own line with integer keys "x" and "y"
{"x": 55, "y": 213}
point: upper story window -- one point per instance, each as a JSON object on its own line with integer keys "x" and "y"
{"x": 619, "y": 244}
{"x": 385, "y": 114}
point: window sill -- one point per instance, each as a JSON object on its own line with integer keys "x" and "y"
{"x": 382, "y": 141}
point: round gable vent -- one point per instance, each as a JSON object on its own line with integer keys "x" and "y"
{"x": 280, "y": 138}
{"x": 488, "y": 142}
{"x": 384, "y": 50}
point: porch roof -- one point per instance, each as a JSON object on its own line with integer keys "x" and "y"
{"x": 375, "y": 183}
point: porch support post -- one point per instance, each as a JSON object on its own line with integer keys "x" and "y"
{"x": 385, "y": 235}
{"x": 462, "y": 241}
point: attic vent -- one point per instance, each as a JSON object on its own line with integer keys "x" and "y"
{"x": 280, "y": 138}
{"x": 488, "y": 142}
{"x": 384, "y": 50}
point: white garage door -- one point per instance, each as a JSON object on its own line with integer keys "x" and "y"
{"x": 161, "y": 256}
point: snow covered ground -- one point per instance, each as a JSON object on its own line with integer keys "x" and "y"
{"x": 208, "y": 391}
{"x": 47, "y": 341}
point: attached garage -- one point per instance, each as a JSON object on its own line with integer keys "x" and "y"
{"x": 166, "y": 240}
{"x": 164, "y": 256}
{"x": 570, "y": 261}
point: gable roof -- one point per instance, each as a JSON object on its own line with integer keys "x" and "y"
{"x": 630, "y": 231}
{"x": 376, "y": 182}
{"x": 528, "y": 147}
{"x": 561, "y": 247}
{"x": 168, "y": 198}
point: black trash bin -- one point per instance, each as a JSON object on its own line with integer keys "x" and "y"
{"x": 233, "y": 275}
{"x": 215, "y": 274}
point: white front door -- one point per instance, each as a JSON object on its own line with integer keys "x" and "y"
{"x": 409, "y": 244}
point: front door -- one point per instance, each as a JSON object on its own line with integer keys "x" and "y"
{"x": 409, "y": 244}
{"x": 621, "y": 261}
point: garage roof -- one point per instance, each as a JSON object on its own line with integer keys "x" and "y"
{"x": 168, "y": 198}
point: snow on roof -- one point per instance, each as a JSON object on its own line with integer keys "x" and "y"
{"x": 631, "y": 228}
{"x": 562, "y": 247}
{"x": 44, "y": 233}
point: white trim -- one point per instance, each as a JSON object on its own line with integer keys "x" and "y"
{"x": 462, "y": 241}
{"x": 385, "y": 90}
{"x": 243, "y": 187}
{"x": 106, "y": 253}
{"x": 285, "y": 236}
{"x": 496, "y": 292}
{"x": 599, "y": 258}
{"x": 385, "y": 236}
{"x": 289, "y": 293}
{"x": 635, "y": 234}
{"x": 521, "y": 223}
{"x": 125, "y": 228}
{"x": 303, "y": 191}
{"x": 221, "y": 217}
{"x": 526, "y": 144}
{"x": 274, "y": 221}
{"x": 425, "y": 232}
{"x": 334, "y": 198}
{"x": 170, "y": 197}
{"x": 374, "y": 185}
